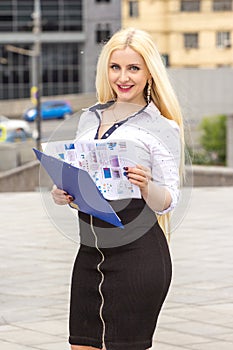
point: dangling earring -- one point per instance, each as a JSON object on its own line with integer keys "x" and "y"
{"x": 148, "y": 95}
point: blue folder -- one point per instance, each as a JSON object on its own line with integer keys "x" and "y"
{"x": 79, "y": 184}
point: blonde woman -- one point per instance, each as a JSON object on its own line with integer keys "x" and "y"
{"x": 121, "y": 277}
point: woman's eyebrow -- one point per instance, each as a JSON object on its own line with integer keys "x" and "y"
{"x": 130, "y": 64}
{"x": 134, "y": 64}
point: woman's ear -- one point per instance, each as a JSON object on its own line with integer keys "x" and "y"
{"x": 150, "y": 80}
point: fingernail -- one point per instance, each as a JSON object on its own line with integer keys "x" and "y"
{"x": 125, "y": 168}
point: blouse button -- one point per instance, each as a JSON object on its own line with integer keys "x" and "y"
{"x": 107, "y": 134}
{"x": 116, "y": 126}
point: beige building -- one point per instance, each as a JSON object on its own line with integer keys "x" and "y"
{"x": 188, "y": 33}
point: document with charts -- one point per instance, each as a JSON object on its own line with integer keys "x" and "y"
{"x": 104, "y": 160}
{"x": 78, "y": 183}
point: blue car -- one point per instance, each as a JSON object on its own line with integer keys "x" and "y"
{"x": 50, "y": 110}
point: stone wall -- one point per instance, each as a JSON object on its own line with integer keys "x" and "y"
{"x": 27, "y": 177}
{"x": 15, "y": 154}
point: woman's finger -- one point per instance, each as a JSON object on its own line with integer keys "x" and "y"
{"x": 61, "y": 197}
{"x": 139, "y": 176}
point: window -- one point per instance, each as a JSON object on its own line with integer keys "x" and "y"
{"x": 61, "y": 15}
{"x": 50, "y": 16}
{"x": 191, "y": 40}
{"x": 222, "y": 5}
{"x": 14, "y": 75}
{"x": 5, "y": 5}
{"x": 223, "y": 39}
{"x": 57, "y": 15}
{"x": 5, "y": 23}
{"x": 6, "y": 17}
{"x": 103, "y": 33}
{"x": 22, "y": 13}
{"x": 190, "y": 5}
{"x": 60, "y": 69}
{"x": 133, "y": 9}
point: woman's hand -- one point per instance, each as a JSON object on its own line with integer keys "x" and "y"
{"x": 158, "y": 198}
{"x": 61, "y": 197}
{"x": 139, "y": 176}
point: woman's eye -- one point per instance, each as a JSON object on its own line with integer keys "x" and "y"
{"x": 114, "y": 66}
{"x": 134, "y": 68}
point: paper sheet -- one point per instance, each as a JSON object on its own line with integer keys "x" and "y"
{"x": 104, "y": 160}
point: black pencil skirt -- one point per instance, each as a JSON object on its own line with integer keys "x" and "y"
{"x": 117, "y": 292}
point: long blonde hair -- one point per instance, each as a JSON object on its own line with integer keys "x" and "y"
{"x": 162, "y": 93}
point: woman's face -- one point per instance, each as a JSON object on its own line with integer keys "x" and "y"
{"x": 128, "y": 75}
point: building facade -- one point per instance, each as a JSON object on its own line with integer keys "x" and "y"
{"x": 72, "y": 32}
{"x": 188, "y": 33}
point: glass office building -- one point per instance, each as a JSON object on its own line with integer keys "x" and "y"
{"x": 70, "y": 39}
{"x": 60, "y": 71}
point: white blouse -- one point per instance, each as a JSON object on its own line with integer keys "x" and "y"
{"x": 157, "y": 138}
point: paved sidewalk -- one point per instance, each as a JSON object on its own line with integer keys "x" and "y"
{"x": 35, "y": 269}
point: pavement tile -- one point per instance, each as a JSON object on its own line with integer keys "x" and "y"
{"x": 55, "y": 346}
{"x": 51, "y": 326}
{"x": 12, "y": 346}
{"x": 200, "y": 314}
{"x": 166, "y": 319}
{"x": 198, "y": 328}
{"x": 223, "y": 345}
{"x": 178, "y": 338}
{"x": 28, "y": 337}
{"x": 7, "y": 328}
{"x": 228, "y": 337}
{"x": 222, "y": 308}
{"x": 164, "y": 346}
{"x": 32, "y": 313}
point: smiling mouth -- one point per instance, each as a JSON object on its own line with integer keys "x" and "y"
{"x": 124, "y": 87}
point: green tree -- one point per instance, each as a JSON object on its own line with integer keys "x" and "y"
{"x": 213, "y": 138}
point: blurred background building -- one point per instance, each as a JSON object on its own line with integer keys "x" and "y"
{"x": 72, "y": 31}
{"x": 193, "y": 36}
{"x": 188, "y": 33}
